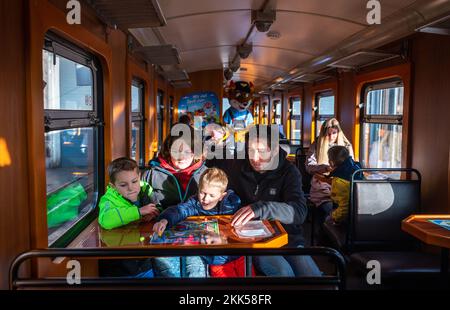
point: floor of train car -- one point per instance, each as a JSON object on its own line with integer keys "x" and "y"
{"x": 357, "y": 281}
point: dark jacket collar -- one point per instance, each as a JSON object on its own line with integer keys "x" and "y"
{"x": 346, "y": 169}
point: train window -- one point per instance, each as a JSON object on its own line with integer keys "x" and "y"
{"x": 137, "y": 121}
{"x": 295, "y": 120}
{"x": 381, "y": 124}
{"x": 265, "y": 113}
{"x": 225, "y": 105}
{"x": 324, "y": 108}
{"x": 160, "y": 116}
{"x": 277, "y": 112}
{"x": 256, "y": 113}
{"x": 73, "y": 129}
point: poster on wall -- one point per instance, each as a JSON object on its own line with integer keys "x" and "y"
{"x": 204, "y": 104}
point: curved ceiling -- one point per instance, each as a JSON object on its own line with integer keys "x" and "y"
{"x": 206, "y": 32}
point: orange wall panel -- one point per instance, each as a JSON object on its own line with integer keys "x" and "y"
{"x": 14, "y": 189}
{"x": 430, "y": 136}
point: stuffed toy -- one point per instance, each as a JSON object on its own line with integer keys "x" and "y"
{"x": 240, "y": 95}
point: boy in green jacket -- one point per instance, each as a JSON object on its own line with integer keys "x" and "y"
{"x": 127, "y": 199}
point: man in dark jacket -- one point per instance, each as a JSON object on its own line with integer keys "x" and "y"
{"x": 270, "y": 187}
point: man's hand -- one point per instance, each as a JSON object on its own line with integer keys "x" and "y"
{"x": 149, "y": 212}
{"x": 160, "y": 226}
{"x": 242, "y": 216}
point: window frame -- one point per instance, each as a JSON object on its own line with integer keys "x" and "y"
{"x": 275, "y": 103}
{"x": 381, "y": 119}
{"x": 322, "y": 117}
{"x": 139, "y": 117}
{"x": 298, "y": 118}
{"x": 55, "y": 120}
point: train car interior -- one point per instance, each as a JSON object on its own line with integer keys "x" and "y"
{"x": 355, "y": 94}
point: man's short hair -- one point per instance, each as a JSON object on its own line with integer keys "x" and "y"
{"x": 338, "y": 154}
{"x": 120, "y": 164}
{"x": 260, "y": 131}
{"x": 214, "y": 177}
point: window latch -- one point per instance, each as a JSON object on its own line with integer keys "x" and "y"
{"x": 47, "y": 122}
{"x": 95, "y": 121}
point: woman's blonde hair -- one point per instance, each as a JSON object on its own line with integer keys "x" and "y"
{"x": 322, "y": 144}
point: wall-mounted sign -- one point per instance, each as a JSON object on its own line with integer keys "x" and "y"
{"x": 204, "y": 104}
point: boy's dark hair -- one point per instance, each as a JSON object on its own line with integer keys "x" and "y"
{"x": 120, "y": 164}
{"x": 338, "y": 154}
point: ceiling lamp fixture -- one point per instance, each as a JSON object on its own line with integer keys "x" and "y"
{"x": 244, "y": 50}
{"x": 235, "y": 63}
{"x": 228, "y": 74}
{"x": 263, "y": 19}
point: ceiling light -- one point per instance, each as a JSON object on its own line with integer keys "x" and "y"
{"x": 244, "y": 50}
{"x": 263, "y": 19}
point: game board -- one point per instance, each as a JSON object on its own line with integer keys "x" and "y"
{"x": 187, "y": 232}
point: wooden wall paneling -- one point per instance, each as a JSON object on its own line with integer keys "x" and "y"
{"x": 307, "y": 135}
{"x": 208, "y": 80}
{"x": 430, "y": 119}
{"x": 43, "y": 16}
{"x": 118, "y": 41}
{"x": 14, "y": 188}
{"x": 345, "y": 113}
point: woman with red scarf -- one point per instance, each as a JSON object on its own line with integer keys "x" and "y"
{"x": 174, "y": 176}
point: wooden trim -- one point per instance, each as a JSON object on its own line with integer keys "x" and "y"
{"x": 330, "y": 85}
{"x": 402, "y": 71}
{"x": 42, "y": 17}
{"x": 429, "y": 233}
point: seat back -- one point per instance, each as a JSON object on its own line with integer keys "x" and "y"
{"x": 377, "y": 208}
{"x": 300, "y": 159}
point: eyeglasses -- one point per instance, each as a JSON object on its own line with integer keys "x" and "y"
{"x": 181, "y": 154}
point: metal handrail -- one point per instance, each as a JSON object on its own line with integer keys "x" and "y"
{"x": 339, "y": 279}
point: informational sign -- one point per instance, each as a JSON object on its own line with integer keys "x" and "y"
{"x": 204, "y": 104}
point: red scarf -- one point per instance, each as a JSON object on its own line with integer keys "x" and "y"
{"x": 183, "y": 176}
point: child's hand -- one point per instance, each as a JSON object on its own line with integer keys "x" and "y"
{"x": 213, "y": 238}
{"x": 149, "y": 212}
{"x": 160, "y": 226}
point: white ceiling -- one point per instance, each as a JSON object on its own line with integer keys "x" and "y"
{"x": 206, "y": 32}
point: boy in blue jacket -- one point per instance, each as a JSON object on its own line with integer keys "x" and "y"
{"x": 212, "y": 199}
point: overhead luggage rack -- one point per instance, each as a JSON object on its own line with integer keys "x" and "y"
{"x": 129, "y": 14}
{"x": 362, "y": 59}
{"x": 160, "y": 54}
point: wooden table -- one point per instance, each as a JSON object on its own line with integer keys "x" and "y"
{"x": 420, "y": 227}
{"x": 137, "y": 235}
